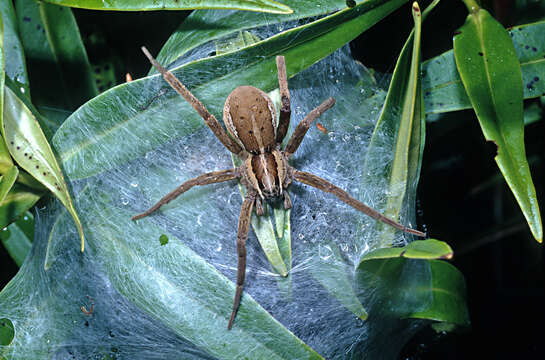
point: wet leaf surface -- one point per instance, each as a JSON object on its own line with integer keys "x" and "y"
{"x": 491, "y": 74}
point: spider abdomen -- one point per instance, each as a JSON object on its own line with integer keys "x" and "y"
{"x": 250, "y": 118}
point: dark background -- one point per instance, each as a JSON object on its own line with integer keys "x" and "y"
{"x": 462, "y": 198}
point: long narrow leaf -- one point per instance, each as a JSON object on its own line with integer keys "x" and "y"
{"x": 443, "y": 88}
{"x": 191, "y": 34}
{"x": 268, "y": 6}
{"x": 30, "y": 149}
{"x": 15, "y": 66}
{"x": 16, "y": 203}
{"x": 17, "y": 238}
{"x": 6, "y": 182}
{"x": 204, "y": 296}
{"x": 210, "y": 79}
{"x": 58, "y": 66}
{"x": 401, "y": 128}
{"x": 491, "y": 74}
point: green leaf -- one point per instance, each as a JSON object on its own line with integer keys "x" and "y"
{"x": 163, "y": 239}
{"x": 172, "y": 288}
{"x": 30, "y": 149}
{"x": 18, "y": 201}
{"x": 449, "y": 296}
{"x": 268, "y": 6}
{"x": 435, "y": 291}
{"x": 443, "y": 88}
{"x": 17, "y": 238}
{"x": 5, "y": 157}
{"x": 264, "y": 230}
{"x": 6, "y": 182}
{"x": 429, "y": 249}
{"x": 204, "y": 294}
{"x": 15, "y": 66}
{"x": 59, "y": 69}
{"x": 215, "y": 78}
{"x": 7, "y": 332}
{"x": 491, "y": 74}
{"x": 402, "y": 118}
{"x": 191, "y": 34}
{"x": 336, "y": 276}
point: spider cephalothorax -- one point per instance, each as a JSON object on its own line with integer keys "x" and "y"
{"x": 250, "y": 119}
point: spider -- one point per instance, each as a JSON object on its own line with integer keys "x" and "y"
{"x": 254, "y": 136}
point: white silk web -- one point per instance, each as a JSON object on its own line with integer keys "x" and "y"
{"x": 172, "y": 301}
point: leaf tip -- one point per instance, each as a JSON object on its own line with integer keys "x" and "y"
{"x": 416, "y": 9}
{"x": 82, "y": 237}
{"x": 538, "y": 235}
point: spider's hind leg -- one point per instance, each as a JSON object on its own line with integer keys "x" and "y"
{"x": 243, "y": 229}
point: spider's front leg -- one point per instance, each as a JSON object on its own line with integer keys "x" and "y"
{"x": 285, "y": 110}
{"x": 304, "y": 125}
{"x": 208, "y": 118}
{"x": 205, "y": 179}
{"x": 243, "y": 229}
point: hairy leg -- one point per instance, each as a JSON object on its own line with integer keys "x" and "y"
{"x": 243, "y": 228}
{"x": 285, "y": 110}
{"x": 303, "y": 126}
{"x": 205, "y": 179}
{"x": 209, "y": 119}
{"x": 324, "y": 185}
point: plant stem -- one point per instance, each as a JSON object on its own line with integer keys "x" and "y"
{"x": 472, "y": 6}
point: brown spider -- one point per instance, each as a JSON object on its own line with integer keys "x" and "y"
{"x": 249, "y": 116}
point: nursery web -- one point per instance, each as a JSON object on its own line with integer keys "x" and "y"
{"x": 157, "y": 300}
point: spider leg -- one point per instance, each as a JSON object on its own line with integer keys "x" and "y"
{"x": 209, "y": 119}
{"x": 204, "y": 179}
{"x": 243, "y": 228}
{"x": 285, "y": 110}
{"x": 304, "y": 125}
{"x": 324, "y": 185}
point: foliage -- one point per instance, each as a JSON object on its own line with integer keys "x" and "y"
{"x": 178, "y": 288}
